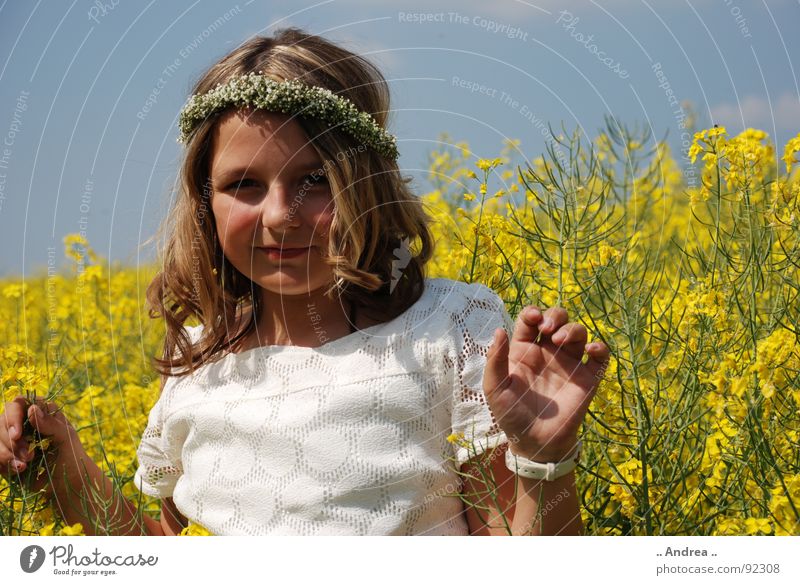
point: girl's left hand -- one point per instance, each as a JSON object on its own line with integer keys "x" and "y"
{"x": 539, "y": 392}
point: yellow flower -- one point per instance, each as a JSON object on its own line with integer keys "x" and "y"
{"x": 74, "y": 530}
{"x": 483, "y": 164}
{"x": 452, "y": 438}
{"x": 694, "y": 150}
{"x": 716, "y": 131}
{"x": 486, "y": 164}
{"x": 756, "y": 525}
{"x": 792, "y": 147}
{"x": 458, "y": 439}
{"x": 77, "y": 248}
{"x": 194, "y": 529}
{"x": 607, "y": 252}
{"x": 93, "y": 272}
{"x": 728, "y": 527}
{"x": 14, "y": 291}
{"x": 483, "y": 188}
{"x": 469, "y": 197}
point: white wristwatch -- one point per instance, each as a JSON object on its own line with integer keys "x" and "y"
{"x": 547, "y": 471}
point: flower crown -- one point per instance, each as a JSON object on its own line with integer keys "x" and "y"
{"x": 288, "y": 97}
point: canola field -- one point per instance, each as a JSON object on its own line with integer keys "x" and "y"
{"x": 686, "y": 265}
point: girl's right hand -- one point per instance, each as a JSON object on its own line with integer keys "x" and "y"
{"x": 15, "y": 455}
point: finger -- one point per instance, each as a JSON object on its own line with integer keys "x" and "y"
{"x": 42, "y": 421}
{"x": 495, "y": 374}
{"x": 554, "y": 317}
{"x": 569, "y": 334}
{"x": 53, "y": 411}
{"x": 6, "y": 456}
{"x": 21, "y": 450}
{"x": 526, "y": 329}
{"x": 12, "y": 428}
{"x": 598, "y": 351}
{"x": 9, "y": 463}
{"x": 13, "y": 418}
{"x": 571, "y": 339}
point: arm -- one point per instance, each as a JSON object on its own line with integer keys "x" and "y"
{"x": 172, "y": 521}
{"x": 66, "y": 475}
{"x": 539, "y": 389}
{"x": 558, "y": 502}
{"x": 81, "y": 492}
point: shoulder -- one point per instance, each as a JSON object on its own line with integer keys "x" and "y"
{"x": 468, "y": 311}
{"x": 168, "y": 382}
{"x": 457, "y": 298}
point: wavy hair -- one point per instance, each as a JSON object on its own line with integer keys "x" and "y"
{"x": 376, "y": 213}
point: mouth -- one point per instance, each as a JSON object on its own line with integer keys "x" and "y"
{"x": 282, "y": 253}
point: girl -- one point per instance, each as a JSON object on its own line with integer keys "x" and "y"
{"x": 329, "y": 381}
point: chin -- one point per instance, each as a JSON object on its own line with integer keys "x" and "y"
{"x": 283, "y": 285}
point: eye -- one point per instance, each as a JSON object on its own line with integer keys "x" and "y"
{"x": 241, "y": 184}
{"x": 314, "y": 179}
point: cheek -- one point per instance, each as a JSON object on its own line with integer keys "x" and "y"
{"x": 234, "y": 222}
{"x": 319, "y": 214}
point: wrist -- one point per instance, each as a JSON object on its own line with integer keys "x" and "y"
{"x": 543, "y": 455}
{"x": 547, "y": 470}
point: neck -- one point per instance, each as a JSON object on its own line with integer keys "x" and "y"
{"x": 307, "y": 320}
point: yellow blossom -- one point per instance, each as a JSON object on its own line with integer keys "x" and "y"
{"x": 757, "y": 525}
{"x": 74, "y": 530}
{"x": 195, "y": 529}
{"x": 14, "y": 291}
{"x": 607, "y": 252}
{"x": 694, "y": 150}
{"x": 792, "y": 148}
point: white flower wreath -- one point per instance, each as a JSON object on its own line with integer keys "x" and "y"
{"x": 289, "y": 97}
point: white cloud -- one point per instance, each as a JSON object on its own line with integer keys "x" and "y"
{"x": 755, "y": 112}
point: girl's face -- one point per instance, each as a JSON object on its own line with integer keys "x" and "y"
{"x": 269, "y": 191}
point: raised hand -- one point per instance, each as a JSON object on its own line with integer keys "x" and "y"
{"x": 537, "y": 386}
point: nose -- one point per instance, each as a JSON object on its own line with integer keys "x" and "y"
{"x": 279, "y": 210}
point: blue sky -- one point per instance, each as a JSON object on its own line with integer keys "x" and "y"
{"x": 80, "y": 150}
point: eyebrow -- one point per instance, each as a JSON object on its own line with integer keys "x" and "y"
{"x": 236, "y": 172}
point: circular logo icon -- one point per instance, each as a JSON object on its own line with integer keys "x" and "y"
{"x": 31, "y": 558}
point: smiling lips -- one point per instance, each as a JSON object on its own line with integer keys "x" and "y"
{"x": 283, "y": 253}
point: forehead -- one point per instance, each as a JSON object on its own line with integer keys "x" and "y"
{"x": 255, "y": 136}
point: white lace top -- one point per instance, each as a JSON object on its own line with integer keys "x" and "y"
{"x": 349, "y": 438}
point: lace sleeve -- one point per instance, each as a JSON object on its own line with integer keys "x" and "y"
{"x": 482, "y": 311}
{"x": 159, "y": 462}
{"x": 159, "y": 451}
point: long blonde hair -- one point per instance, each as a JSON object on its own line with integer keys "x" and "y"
{"x": 376, "y": 213}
